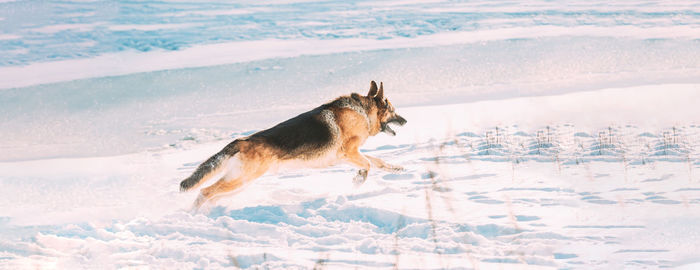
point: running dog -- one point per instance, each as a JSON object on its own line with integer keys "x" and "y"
{"x": 324, "y": 136}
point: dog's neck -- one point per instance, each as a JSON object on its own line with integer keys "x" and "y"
{"x": 356, "y": 104}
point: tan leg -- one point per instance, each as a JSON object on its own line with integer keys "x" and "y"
{"x": 251, "y": 170}
{"x": 383, "y": 165}
{"x": 353, "y": 156}
{"x": 220, "y": 187}
{"x": 360, "y": 161}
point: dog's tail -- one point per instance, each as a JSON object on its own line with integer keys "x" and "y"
{"x": 212, "y": 166}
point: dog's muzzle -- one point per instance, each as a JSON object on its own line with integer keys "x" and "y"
{"x": 394, "y": 120}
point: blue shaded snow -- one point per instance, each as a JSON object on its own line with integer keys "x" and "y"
{"x": 384, "y": 221}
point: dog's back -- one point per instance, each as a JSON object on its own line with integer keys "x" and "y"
{"x": 302, "y": 137}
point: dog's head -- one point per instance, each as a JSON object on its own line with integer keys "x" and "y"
{"x": 385, "y": 111}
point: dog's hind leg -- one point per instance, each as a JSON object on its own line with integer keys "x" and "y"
{"x": 206, "y": 193}
{"x": 220, "y": 187}
{"x": 383, "y": 165}
{"x": 250, "y": 169}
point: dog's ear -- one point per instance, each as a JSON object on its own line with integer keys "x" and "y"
{"x": 372, "y": 89}
{"x": 379, "y": 98}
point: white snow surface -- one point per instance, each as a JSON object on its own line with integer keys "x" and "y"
{"x": 540, "y": 135}
{"x": 73, "y": 73}
{"x": 114, "y": 64}
{"x": 68, "y": 40}
{"x": 578, "y": 185}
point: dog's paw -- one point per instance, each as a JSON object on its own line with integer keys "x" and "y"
{"x": 393, "y": 168}
{"x": 196, "y": 207}
{"x": 396, "y": 169}
{"x": 360, "y": 177}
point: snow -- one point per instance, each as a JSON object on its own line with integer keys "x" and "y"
{"x": 213, "y": 102}
{"x": 183, "y": 34}
{"x": 6, "y": 37}
{"x": 130, "y": 62}
{"x": 469, "y": 198}
{"x": 540, "y": 135}
{"x": 148, "y": 27}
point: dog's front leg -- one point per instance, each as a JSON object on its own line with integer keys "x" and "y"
{"x": 383, "y": 165}
{"x": 360, "y": 161}
{"x": 353, "y": 156}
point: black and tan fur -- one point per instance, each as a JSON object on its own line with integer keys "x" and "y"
{"x": 327, "y": 135}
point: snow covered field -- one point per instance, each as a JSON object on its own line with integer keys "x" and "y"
{"x": 540, "y": 134}
{"x": 563, "y": 195}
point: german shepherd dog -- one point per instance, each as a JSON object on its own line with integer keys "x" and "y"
{"x": 322, "y": 137}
